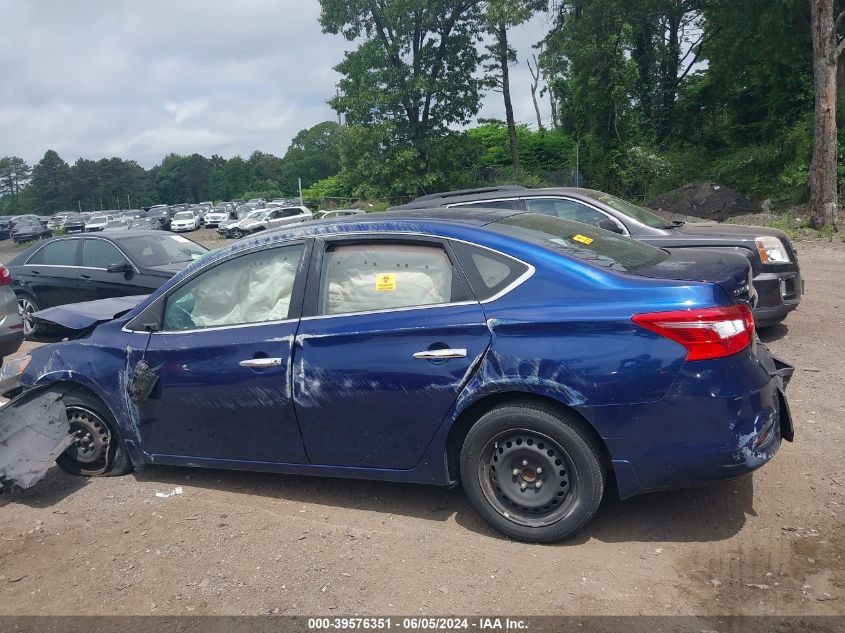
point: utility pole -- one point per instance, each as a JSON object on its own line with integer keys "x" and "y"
{"x": 301, "y": 203}
{"x": 577, "y": 166}
{"x": 79, "y": 204}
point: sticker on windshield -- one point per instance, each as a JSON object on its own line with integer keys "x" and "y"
{"x": 179, "y": 238}
{"x": 385, "y": 282}
{"x": 582, "y": 238}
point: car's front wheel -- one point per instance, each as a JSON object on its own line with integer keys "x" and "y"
{"x": 533, "y": 472}
{"x": 236, "y": 234}
{"x": 97, "y": 448}
{"x": 26, "y": 308}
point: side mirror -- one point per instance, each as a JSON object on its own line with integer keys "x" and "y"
{"x": 610, "y": 225}
{"x": 122, "y": 267}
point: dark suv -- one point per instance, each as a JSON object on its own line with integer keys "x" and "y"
{"x": 774, "y": 261}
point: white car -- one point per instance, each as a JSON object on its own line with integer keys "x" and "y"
{"x": 217, "y": 216}
{"x": 185, "y": 221}
{"x": 97, "y": 223}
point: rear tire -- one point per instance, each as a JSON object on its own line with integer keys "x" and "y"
{"x": 26, "y": 307}
{"x": 99, "y": 447}
{"x": 533, "y": 472}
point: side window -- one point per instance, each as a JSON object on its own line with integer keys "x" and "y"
{"x": 289, "y": 213}
{"x": 488, "y": 204}
{"x": 488, "y": 272}
{"x": 382, "y": 276}
{"x": 567, "y": 209}
{"x": 59, "y": 253}
{"x": 254, "y": 288}
{"x": 100, "y": 254}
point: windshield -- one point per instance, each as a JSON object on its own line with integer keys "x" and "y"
{"x": 160, "y": 250}
{"x": 632, "y": 210}
{"x": 183, "y": 215}
{"x": 590, "y": 243}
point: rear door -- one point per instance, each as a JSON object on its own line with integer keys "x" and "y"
{"x": 50, "y": 274}
{"x": 392, "y": 337}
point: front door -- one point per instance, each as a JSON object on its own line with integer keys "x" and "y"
{"x": 223, "y": 362}
{"x": 393, "y": 339}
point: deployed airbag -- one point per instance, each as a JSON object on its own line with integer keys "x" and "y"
{"x": 34, "y": 431}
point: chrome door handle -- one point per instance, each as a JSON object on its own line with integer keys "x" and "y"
{"x": 261, "y": 363}
{"x": 441, "y": 354}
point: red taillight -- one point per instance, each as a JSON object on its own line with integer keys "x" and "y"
{"x": 706, "y": 332}
{"x": 5, "y": 276}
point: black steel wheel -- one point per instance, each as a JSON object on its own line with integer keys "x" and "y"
{"x": 97, "y": 447}
{"x": 533, "y": 472}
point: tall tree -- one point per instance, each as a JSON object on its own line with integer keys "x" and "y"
{"x": 412, "y": 75}
{"x": 14, "y": 174}
{"x": 827, "y": 49}
{"x": 313, "y": 154}
{"x": 50, "y": 181}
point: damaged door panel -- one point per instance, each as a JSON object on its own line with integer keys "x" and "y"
{"x": 34, "y": 431}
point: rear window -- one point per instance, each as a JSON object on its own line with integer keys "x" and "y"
{"x": 589, "y": 243}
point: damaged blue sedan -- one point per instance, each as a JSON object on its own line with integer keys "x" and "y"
{"x": 527, "y": 357}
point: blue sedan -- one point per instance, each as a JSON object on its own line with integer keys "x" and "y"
{"x": 525, "y": 356}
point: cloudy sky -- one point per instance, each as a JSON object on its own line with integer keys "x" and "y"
{"x": 95, "y": 78}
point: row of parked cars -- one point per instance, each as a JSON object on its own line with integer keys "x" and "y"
{"x": 525, "y": 343}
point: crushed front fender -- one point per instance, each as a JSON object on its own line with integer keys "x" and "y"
{"x": 34, "y": 431}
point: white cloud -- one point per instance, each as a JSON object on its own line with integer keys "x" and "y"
{"x": 142, "y": 79}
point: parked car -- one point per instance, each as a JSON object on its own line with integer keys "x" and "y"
{"x": 77, "y": 268}
{"x": 4, "y": 229}
{"x": 160, "y": 216}
{"x": 260, "y": 202}
{"x": 29, "y": 230}
{"x": 185, "y": 221}
{"x": 98, "y": 222}
{"x": 336, "y": 213}
{"x": 521, "y": 355}
{"x": 263, "y": 220}
{"x": 218, "y": 214}
{"x": 11, "y": 326}
{"x": 57, "y": 221}
{"x": 773, "y": 258}
{"x": 118, "y": 224}
{"x": 145, "y": 224}
{"x": 75, "y": 223}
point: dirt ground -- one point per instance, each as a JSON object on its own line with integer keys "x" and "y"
{"x": 245, "y": 543}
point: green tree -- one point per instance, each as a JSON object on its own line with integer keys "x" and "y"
{"x": 314, "y": 154}
{"x": 14, "y": 175}
{"x": 412, "y": 76}
{"x": 50, "y": 180}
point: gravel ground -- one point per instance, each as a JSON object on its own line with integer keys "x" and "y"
{"x": 246, "y": 543}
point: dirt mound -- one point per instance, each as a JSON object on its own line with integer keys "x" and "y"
{"x": 704, "y": 199}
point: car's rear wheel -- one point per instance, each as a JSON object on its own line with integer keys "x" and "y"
{"x": 533, "y": 472}
{"x": 97, "y": 448}
{"x": 26, "y": 307}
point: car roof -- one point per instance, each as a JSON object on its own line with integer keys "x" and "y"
{"x": 492, "y": 193}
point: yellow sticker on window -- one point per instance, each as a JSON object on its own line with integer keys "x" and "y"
{"x": 582, "y": 238}
{"x": 385, "y": 282}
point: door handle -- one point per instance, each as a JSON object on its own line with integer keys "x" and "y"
{"x": 85, "y": 276}
{"x": 261, "y": 363}
{"x": 440, "y": 354}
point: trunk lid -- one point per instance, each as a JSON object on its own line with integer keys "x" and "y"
{"x": 731, "y": 272}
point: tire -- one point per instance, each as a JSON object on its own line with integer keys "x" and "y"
{"x": 236, "y": 234}
{"x": 26, "y": 306}
{"x": 513, "y": 447}
{"x": 99, "y": 449}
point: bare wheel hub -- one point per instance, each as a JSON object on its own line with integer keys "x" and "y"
{"x": 527, "y": 476}
{"x": 91, "y": 438}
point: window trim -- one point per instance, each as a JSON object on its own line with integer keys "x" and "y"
{"x": 619, "y": 222}
{"x": 518, "y": 201}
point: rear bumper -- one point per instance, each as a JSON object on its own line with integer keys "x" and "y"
{"x": 778, "y": 294}
{"x": 722, "y": 419}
